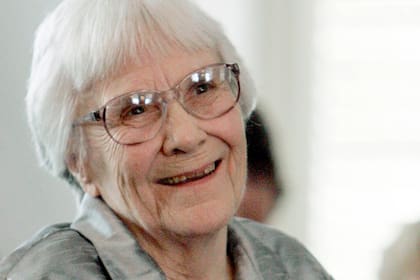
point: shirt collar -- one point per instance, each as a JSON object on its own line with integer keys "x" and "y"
{"x": 252, "y": 257}
{"x": 125, "y": 259}
{"x": 116, "y": 246}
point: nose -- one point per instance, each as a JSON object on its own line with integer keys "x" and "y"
{"x": 182, "y": 131}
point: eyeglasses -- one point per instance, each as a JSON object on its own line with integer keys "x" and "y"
{"x": 136, "y": 117}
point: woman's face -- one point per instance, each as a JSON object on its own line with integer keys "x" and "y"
{"x": 129, "y": 178}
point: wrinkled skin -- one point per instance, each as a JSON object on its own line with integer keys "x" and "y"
{"x": 126, "y": 176}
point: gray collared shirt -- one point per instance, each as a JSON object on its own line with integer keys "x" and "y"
{"x": 97, "y": 245}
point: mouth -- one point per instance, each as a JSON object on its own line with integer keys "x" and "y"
{"x": 191, "y": 176}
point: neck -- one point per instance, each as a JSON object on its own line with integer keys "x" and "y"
{"x": 200, "y": 257}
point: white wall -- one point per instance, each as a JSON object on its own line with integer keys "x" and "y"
{"x": 366, "y": 131}
{"x": 29, "y": 197}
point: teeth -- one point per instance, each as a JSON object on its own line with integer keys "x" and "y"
{"x": 209, "y": 169}
{"x": 184, "y": 178}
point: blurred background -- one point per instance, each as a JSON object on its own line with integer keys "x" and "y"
{"x": 339, "y": 87}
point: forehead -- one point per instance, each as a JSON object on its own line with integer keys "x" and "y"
{"x": 158, "y": 74}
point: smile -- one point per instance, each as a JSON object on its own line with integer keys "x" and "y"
{"x": 191, "y": 176}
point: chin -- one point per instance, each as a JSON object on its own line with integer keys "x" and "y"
{"x": 207, "y": 220}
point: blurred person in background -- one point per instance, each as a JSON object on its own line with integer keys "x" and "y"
{"x": 401, "y": 260}
{"x": 263, "y": 187}
{"x": 141, "y": 105}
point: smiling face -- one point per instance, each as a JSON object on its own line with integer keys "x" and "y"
{"x": 189, "y": 179}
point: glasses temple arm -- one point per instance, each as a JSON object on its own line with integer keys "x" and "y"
{"x": 90, "y": 117}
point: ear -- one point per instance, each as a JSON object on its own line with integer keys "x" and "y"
{"x": 91, "y": 188}
{"x": 80, "y": 170}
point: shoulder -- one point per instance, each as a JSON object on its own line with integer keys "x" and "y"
{"x": 276, "y": 248}
{"x": 56, "y": 252}
{"x": 267, "y": 236}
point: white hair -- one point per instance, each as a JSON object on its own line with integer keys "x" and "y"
{"x": 85, "y": 41}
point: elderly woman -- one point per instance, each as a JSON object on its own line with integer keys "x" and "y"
{"x": 135, "y": 104}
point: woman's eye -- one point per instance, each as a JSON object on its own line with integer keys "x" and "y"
{"x": 202, "y": 88}
{"x": 135, "y": 111}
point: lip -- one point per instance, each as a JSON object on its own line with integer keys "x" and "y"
{"x": 191, "y": 177}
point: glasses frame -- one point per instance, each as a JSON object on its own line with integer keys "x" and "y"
{"x": 99, "y": 115}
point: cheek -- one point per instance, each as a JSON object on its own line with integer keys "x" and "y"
{"x": 237, "y": 142}
{"x": 107, "y": 161}
{"x": 132, "y": 173}
{"x": 113, "y": 162}
{"x": 101, "y": 151}
{"x": 121, "y": 174}
{"x": 231, "y": 131}
{"x": 241, "y": 150}
{"x": 136, "y": 161}
{"x": 140, "y": 203}
{"x": 240, "y": 169}
{"x": 124, "y": 184}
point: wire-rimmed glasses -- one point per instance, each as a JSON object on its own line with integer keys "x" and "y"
{"x": 137, "y": 116}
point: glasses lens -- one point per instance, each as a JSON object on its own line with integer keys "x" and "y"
{"x": 137, "y": 117}
{"x": 210, "y": 92}
{"x": 134, "y": 118}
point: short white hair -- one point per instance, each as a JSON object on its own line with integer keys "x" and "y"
{"x": 85, "y": 41}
